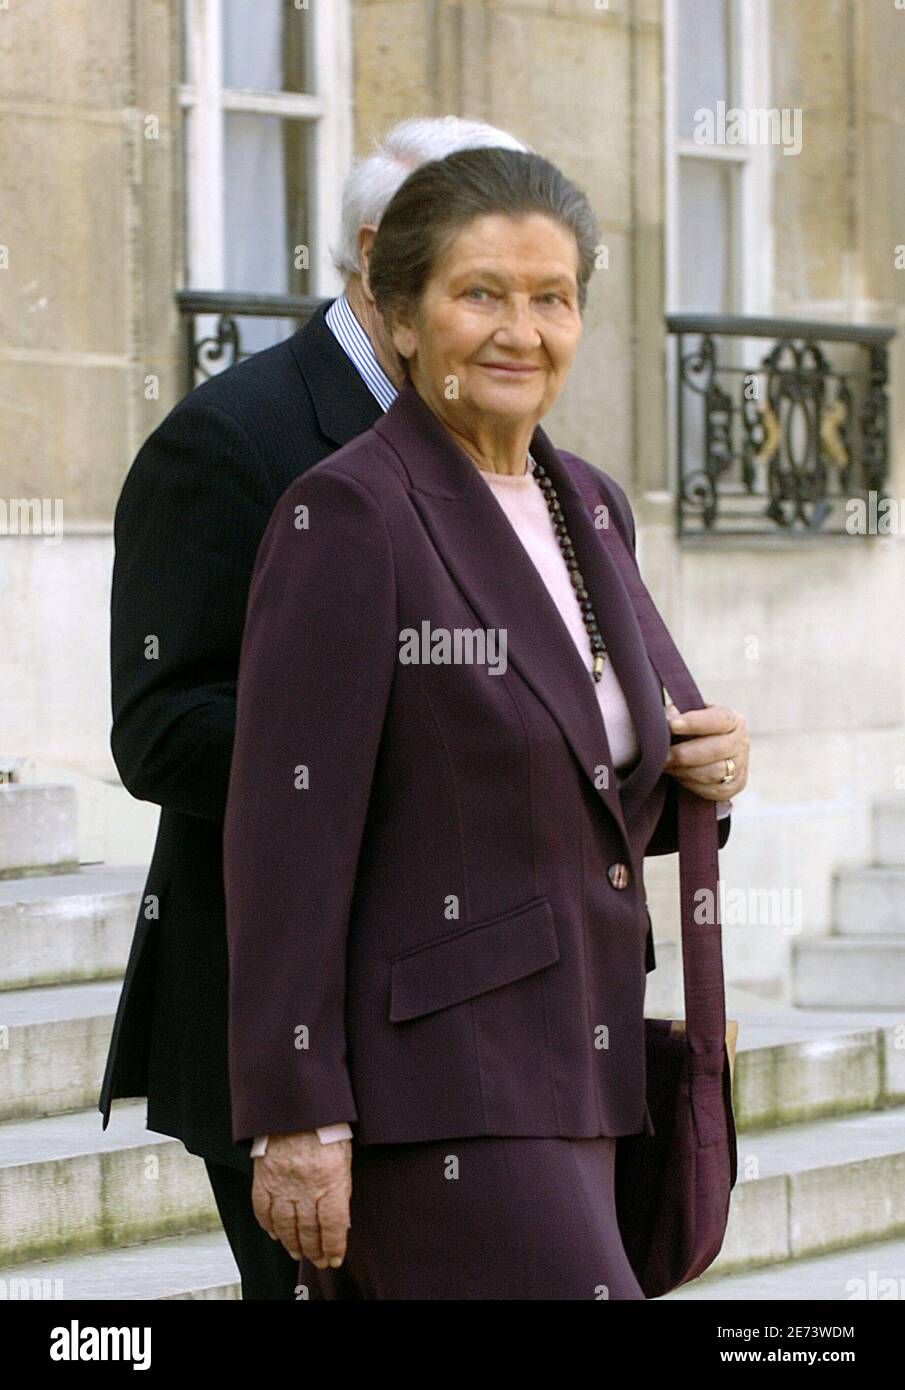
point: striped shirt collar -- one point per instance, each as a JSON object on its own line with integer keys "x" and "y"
{"x": 357, "y": 346}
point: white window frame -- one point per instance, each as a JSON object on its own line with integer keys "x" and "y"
{"x": 749, "y": 57}
{"x": 751, "y": 226}
{"x": 328, "y": 108}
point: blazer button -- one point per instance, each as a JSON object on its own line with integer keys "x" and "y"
{"x": 619, "y": 875}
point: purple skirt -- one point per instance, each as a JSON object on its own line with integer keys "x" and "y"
{"x": 485, "y": 1218}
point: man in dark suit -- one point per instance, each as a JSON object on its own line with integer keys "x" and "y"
{"x": 189, "y": 520}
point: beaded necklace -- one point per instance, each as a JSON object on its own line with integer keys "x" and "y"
{"x": 561, "y": 531}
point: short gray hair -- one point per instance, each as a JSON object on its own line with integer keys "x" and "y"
{"x": 374, "y": 179}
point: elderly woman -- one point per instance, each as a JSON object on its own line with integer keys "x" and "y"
{"x": 452, "y": 755}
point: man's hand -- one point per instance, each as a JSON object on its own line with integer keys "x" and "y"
{"x": 301, "y": 1193}
{"x": 710, "y": 736}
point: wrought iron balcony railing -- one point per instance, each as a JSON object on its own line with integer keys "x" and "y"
{"x": 214, "y": 338}
{"x": 778, "y": 439}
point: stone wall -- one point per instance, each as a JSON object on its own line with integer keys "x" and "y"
{"x": 89, "y": 343}
{"x": 805, "y": 640}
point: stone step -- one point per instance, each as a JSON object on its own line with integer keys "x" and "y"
{"x": 869, "y": 900}
{"x": 790, "y": 1208}
{"x": 797, "y": 1065}
{"x": 791, "y": 1064}
{"x": 858, "y": 1273}
{"x": 790, "y": 1067}
{"x": 181, "y": 1267}
{"x": 38, "y": 829}
{"x": 849, "y": 972}
{"x": 806, "y": 1189}
{"x": 55, "y": 1047}
{"x": 888, "y": 830}
{"x": 61, "y": 928}
{"x": 68, "y": 1186}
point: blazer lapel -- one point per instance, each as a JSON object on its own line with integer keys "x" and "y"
{"x": 343, "y": 404}
{"x": 501, "y": 583}
{"x": 621, "y": 630}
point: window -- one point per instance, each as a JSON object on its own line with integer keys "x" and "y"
{"x": 717, "y": 204}
{"x": 267, "y": 135}
{"x": 718, "y": 255}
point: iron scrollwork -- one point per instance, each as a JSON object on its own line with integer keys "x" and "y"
{"x": 221, "y": 350}
{"x": 208, "y": 352}
{"x": 769, "y": 447}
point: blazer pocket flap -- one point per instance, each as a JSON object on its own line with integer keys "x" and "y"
{"x": 480, "y": 958}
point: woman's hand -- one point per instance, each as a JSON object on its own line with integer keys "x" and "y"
{"x": 710, "y": 736}
{"x": 300, "y": 1195}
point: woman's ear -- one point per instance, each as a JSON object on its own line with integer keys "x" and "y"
{"x": 405, "y": 338}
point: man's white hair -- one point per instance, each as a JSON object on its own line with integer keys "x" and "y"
{"x": 374, "y": 179}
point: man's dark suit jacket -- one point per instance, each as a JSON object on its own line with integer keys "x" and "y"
{"x": 436, "y": 913}
{"x": 193, "y": 509}
{"x": 191, "y": 515}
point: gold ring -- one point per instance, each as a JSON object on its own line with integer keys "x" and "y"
{"x": 730, "y": 770}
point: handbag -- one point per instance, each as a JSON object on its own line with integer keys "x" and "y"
{"x": 673, "y": 1184}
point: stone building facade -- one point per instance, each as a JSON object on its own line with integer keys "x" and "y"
{"x": 121, "y": 183}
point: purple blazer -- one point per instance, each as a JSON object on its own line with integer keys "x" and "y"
{"x": 435, "y": 900}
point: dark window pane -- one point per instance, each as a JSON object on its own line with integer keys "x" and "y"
{"x": 266, "y": 211}
{"x": 702, "y": 58}
{"x": 265, "y": 45}
{"x": 706, "y": 260}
